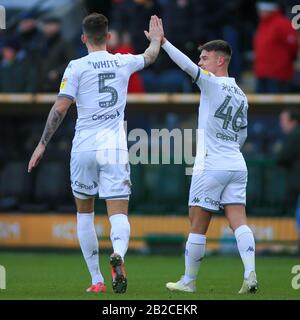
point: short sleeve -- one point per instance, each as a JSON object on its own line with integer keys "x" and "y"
{"x": 69, "y": 83}
{"x": 204, "y": 79}
{"x": 133, "y": 62}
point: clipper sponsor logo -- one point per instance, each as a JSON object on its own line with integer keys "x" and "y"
{"x": 212, "y": 202}
{"x": 84, "y": 186}
{"x": 225, "y": 137}
{"x": 105, "y": 116}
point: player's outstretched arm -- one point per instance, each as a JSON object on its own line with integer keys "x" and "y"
{"x": 184, "y": 62}
{"x": 55, "y": 117}
{"x": 155, "y": 36}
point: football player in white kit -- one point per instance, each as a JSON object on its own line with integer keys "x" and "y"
{"x": 99, "y": 158}
{"x": 220, "y": 174}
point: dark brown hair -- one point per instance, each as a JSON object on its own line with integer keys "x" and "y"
{"x": 218, "y": 46}
{"x": 95, "y": 26}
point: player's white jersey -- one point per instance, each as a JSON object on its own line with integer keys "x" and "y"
{"x": 98, "y": 82}
{"x": 222, "y": 115}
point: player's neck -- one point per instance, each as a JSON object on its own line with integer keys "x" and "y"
{"x": 92, "y": 48}
{"x": 222, "y": 73}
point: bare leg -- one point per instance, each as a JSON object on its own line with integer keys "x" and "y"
{"x": 236, "y": 216}
{"x": 117, "y": 207}
{"x": 85, "y": 205}
{"x": 199, "y": 220}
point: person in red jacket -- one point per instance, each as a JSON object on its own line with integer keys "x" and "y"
{"x": 116, "y": 45}
{"x": 275, "y": 48}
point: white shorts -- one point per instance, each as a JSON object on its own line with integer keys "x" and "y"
{"x": 95, "y": 173}
{"x": 212, "y": 189}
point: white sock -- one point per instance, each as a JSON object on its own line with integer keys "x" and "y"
{"x": 119, "y": 234}
{"x": 246, "y": 245}
{"x": 89, "y": 244}
{"x": 194, "y": 253}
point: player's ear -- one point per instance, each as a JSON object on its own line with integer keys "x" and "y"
{"x": 221, "y": 61}
{"x": 84, "y": 38}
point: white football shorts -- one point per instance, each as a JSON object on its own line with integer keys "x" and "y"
{"x": 105, "y": 173}
{"x": 212, "y": 189}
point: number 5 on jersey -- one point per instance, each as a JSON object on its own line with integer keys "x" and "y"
{"x": 103, "y": 89}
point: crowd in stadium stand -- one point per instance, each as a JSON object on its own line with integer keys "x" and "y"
{"x": 34, "y": 53}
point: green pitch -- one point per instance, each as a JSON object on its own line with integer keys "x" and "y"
{"x": 65, "y": 276}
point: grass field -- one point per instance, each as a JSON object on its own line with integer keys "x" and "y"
{"x": 64, "y": 276}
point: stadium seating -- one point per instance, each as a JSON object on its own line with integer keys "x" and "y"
{"x": 15, "y": 185}
{"x": 166, "y": 188}
{"x": 50, "y": 188}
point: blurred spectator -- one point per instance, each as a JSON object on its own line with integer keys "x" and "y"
{"x": 133, "y": 16}
{"x": 289, "y": 157}
{"x": 16, "y": 75}
{"x": 116, "y": 44}
{"x": 31, "y": 41}
{"x": 31, "y": 38}
{"x": 56, "y": 55}
{"x": 178, "y": 16}
{"x": 238, "y": 27}
{"x": 275, "y": 46}
{"x": 103, "y": 6}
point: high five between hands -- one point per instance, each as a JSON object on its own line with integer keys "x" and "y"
{"x": 156, "y": 30}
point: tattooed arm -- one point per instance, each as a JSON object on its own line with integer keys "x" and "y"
{"x": 56, "y": 116}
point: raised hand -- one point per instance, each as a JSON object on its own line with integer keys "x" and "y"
{"x": 156, "y": 31}
{"x": 161, "y": 27}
